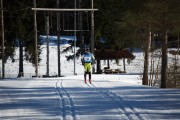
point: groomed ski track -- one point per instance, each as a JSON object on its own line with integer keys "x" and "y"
{"x": 69, "y": 98}
{"x": 126, "y": 111}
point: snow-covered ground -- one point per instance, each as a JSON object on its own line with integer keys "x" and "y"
{"x": 109, "y": 97}
{"x": 67, "y": 67}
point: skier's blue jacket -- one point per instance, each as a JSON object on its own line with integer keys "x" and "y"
{"x": 88, "y": 58}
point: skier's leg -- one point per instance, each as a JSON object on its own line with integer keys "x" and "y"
{"x": 90, "y": 77}
{"x": 85, "y": 76}
{"x": 89, "y": 71}
{"x": 85, "y": 72}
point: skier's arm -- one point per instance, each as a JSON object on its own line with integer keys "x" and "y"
{"x": 82, "y": 60}
{"x": 93, "y": 58}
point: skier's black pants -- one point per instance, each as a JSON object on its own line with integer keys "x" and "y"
{"x": 85, "y": 73}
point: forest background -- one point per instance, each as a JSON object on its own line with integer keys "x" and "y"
{"x": 120, "y": 23}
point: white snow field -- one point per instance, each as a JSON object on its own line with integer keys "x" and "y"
{"x": 109, "y": 97}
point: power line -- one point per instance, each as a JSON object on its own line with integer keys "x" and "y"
{"x": 15, "y": 10}
{"x": 23, "y": 4}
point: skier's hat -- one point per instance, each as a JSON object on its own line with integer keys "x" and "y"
{"x": 87, "y": 49}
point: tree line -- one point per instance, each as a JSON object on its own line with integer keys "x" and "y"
{"x": 136, "y": 23}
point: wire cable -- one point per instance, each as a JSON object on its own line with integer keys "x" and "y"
{"x": 23, "y": 4}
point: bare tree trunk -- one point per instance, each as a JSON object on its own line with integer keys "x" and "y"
{"x": 108, "y": 63}
{"x": 99, "y": 67}
{"x": 157, "y": 72}
{"x": 176, "y": 65}
{"x": 146, "y": 58}
{"x": 164, "y": 60}
{"x": 2, "y": 37}
{"x": 21, "y": 69}
{"x": 152, "y": 73}
{"x": 124, "y": 65}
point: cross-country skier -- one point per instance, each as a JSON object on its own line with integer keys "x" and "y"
{"x": 87, "y": 61}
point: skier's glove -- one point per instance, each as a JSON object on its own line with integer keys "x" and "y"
{"x": 93, "y": 62}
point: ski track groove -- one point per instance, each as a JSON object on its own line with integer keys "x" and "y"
{"x": 66, "y": 103}
{"x": 119, "y": 109}
{"x": 121, "y": 105}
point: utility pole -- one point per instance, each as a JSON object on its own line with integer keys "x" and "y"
{"x": 2, "y": 25}
{"x": 92, "y": 32}
{"x": 75, "y": 30}
{"x": 47, "y": 41}
{"x": 58, "y": 41}
{"x": 75, "y": 38}
{"x": 81, "y": 29}
{"x": 35, "y": 38}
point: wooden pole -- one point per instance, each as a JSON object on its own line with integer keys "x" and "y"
{"x": 67, "y": 10}
{"x": 47, "y": 41}
{"x": 92, "y": 33}
{"x": 58, "y": 41}
{"x": 74, "y": 37}
{"x": 71, "y": 10}
{"x": 35, "y": 38}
